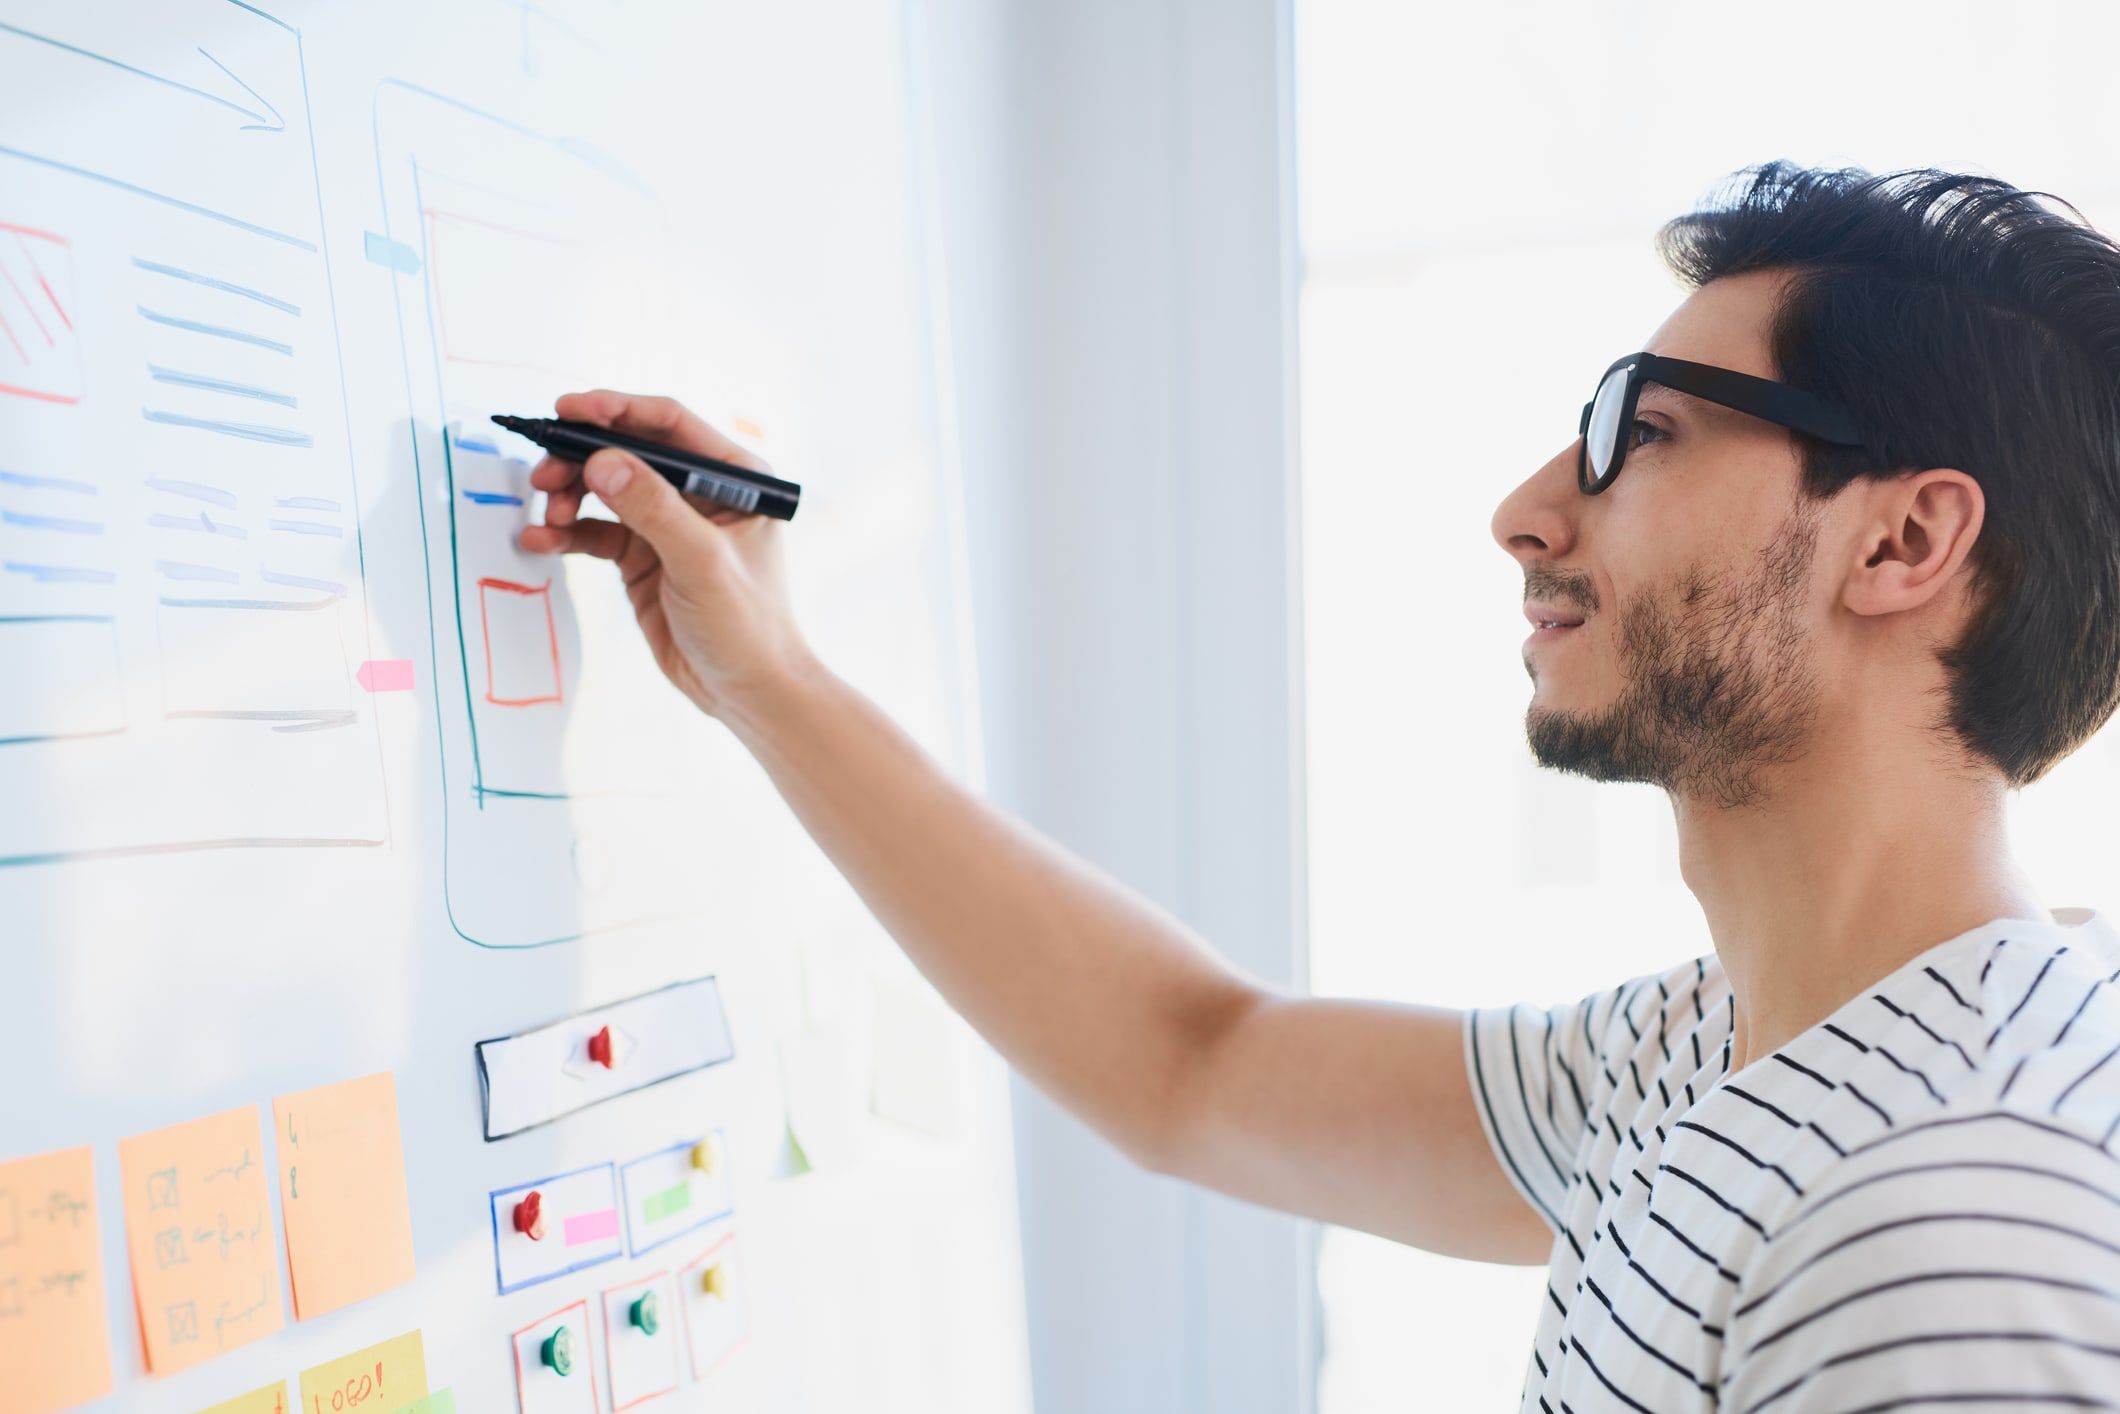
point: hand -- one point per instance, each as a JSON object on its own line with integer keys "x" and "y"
{"x": 707, "y": 583}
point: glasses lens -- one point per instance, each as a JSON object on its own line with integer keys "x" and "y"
{"x": 1602, "y": 438}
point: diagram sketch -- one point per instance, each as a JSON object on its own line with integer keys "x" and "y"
{"x": 180, "y": 566}
{"x": 562, "y": 811}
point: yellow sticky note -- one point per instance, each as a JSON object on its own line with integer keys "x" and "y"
{"x": 198, "y": 1226}
{"x": 270, "y": 1400}
{"x": 379, "y": 1380}
{"x": 342, "y": 1193}
{"x": 53, "y": 1336}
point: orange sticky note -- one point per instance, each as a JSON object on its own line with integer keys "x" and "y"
{"x": 378, "y": 1380}
{"x": 342, "y": 1193}
{"x": 54, "y": 1344}
{"x": 198, "y": 1225}
{"x": 270, "y": 1400}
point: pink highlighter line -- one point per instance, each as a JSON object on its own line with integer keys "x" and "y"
{"x": 592, "y": 1227}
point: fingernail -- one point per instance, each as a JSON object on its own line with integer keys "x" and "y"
{"x": 609, "y": 476}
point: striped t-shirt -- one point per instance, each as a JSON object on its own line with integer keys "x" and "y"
{"x": 1915, "y": 1204}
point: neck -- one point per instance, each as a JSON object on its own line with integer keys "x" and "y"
{"x": 1845, "y": 872}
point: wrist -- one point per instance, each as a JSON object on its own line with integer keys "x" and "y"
{"x": 772, "y": 701}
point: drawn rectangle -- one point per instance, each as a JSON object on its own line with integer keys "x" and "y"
{"x": 710, "y": 1294}
{"x": 640, "y": 1341}
{"x": 579, "y": 1227}
{"x": 537, "y": 1076}
{"x": 40, "y": 351}
{"x": 540, "y": 1389}
{"x": 65, "y": 680}
{"x": 522, "y": 643}
{"x": 667, "y": 1196}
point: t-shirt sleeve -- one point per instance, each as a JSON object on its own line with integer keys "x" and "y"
{"x": 1967, "y": 1260}
{"x": 1537, "y": 1077}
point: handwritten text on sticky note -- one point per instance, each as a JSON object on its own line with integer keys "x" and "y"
{"x": 198, "y": 1226}
{"x": 379, "y": 1380}
{"x": 53, "y": 1341}
{"x": 342, "y": 1193}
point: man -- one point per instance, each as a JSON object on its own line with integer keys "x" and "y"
{"x": 1859, "y": 580}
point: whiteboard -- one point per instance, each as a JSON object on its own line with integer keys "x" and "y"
{"x": 307, "y": 773}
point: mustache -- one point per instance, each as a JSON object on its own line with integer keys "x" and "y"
{"x": 1555, "y": 586}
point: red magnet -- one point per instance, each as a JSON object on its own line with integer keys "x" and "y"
{"x": 600, "y": 1049}
{"x": 530, "y": 1216}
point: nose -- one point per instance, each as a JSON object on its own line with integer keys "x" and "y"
{"x": 1539, "y": 519}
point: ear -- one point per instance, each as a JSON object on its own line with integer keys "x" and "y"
{"x": 1921, "y": 527}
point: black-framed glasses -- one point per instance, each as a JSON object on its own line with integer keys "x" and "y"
{"x": 1610, "y": 412}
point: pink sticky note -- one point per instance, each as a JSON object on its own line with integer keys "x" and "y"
{"x": 385, "y": 675}
{"x": 592, "y": 1227}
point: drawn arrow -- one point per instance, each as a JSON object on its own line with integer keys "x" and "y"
{"x": 269, "y": 121}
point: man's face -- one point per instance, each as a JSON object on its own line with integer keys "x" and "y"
{"x": 1695, "y": 661}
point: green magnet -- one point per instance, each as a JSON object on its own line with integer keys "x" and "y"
{"x": 558, "y": 1350}
{"x": 647, "y": 1313}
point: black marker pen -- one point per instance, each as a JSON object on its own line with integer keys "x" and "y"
{"x": 724, "y": 483}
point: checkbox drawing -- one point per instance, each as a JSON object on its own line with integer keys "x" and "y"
{"x": 522, "y": 643}
{"x": 169, "y": 1248}
{"x": 162, "y": 1189}
{"x": 183, "y": 1322}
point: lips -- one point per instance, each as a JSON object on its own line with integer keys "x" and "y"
{"x": 1552, "y": 616}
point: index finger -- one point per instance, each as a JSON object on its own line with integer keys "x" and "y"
{"x": 659, "y": 419}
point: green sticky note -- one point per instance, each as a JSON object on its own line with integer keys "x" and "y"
{"x": 442, "y": 1401}
{"x": 674, "y": 1199}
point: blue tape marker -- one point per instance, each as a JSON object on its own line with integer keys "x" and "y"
{"x": 390, "y": 254}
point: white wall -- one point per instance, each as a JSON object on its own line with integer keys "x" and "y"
{"x": 1115, "y": 189}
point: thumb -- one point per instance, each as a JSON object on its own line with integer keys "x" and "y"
{"x": 652, "y": 508}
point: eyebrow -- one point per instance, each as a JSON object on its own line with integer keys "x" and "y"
{"x": 1684, "y": 401}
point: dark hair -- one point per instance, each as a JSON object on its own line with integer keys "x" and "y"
{"x": 1966, "y": 325}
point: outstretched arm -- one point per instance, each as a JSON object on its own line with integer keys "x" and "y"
{"x": 1355, "y": 1113}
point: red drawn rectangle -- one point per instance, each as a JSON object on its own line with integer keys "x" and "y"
{"x": 40, "y": 355}
{"x": 522, "y": 643}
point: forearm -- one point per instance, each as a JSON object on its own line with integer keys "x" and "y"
{"x": 1100, "y": 999}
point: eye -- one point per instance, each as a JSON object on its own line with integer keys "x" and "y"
{"x": 1638, "y": 427}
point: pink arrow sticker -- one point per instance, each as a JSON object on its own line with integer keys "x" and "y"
{"x": 385, "y": 675}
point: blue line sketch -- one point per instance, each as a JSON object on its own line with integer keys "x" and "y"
{"x": 164, "y": 198}
{"x": 257, "y": 120}
{"x": 213, "y": 282}
{"x": 169, "y": 601}
{"x": 178, "y": 569}
{"x": 196, "y": 490}
{"x": 492, "y": 498}
{"x": 201, "y": 522}
{"x": 177, "y": 378}
{"x": 63, "y": 524}
{"x": 45, "y": 483}
{"x": 58, "y": 574}
{"x": 216, "y": 331}
{"x": 307, "y": 503}
{"x": 278, "y": 436}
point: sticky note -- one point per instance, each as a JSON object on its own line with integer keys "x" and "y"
{"x": 270, "y": 1400}
{"x": 54, "y": 1344}
{"x": 342, "y": 1193}
{"x": 442, "y": 1401}
{"x": 377, "y": 1380}
{"x": 198, "y": 1227}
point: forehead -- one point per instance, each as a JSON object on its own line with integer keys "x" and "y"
{"x": 1725, "y": 322}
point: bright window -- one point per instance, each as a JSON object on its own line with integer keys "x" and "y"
{"x": 1479, "y": 188}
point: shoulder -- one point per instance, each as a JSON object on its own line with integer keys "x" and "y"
{"x": 1935, "y": 1256}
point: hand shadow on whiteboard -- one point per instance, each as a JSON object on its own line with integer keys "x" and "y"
{"x": 563, "y": 752}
